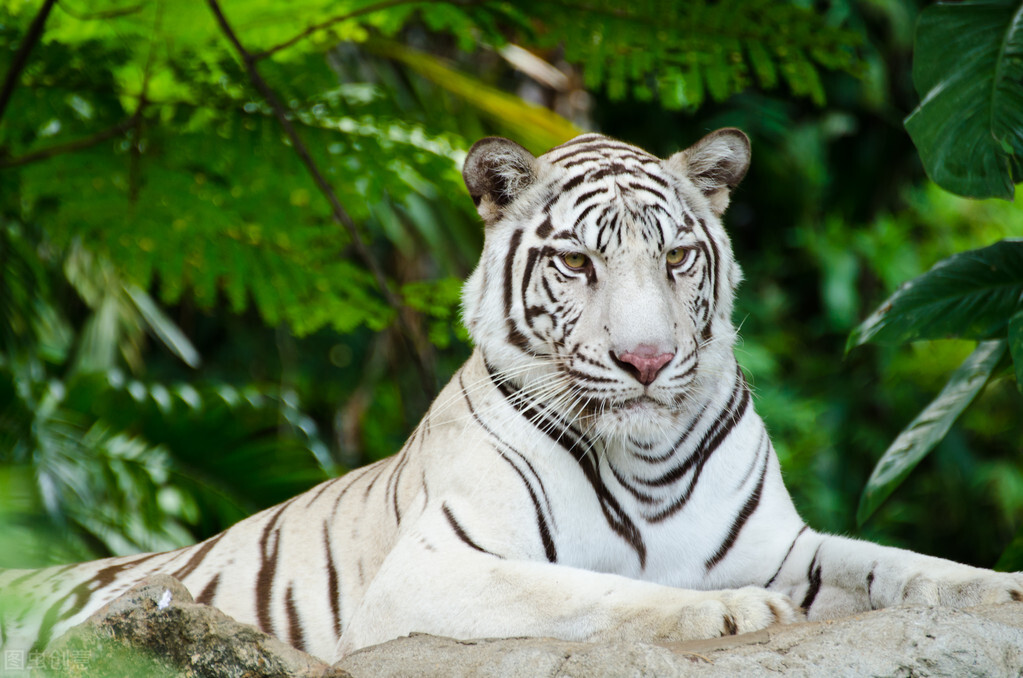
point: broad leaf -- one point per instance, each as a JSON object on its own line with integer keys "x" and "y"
{"x": 969, "y": 295}
{"x": 929, "y": 427}
{"x": 968, "y": 70}
{"x": 1016, "y": 346}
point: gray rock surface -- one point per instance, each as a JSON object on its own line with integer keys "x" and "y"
{"x": 902, "y": 641}
{"x": 157, "y": 630}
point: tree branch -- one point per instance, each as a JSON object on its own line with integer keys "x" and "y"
{"x": 35, "y": 31}
{"x": 71, "y": 146}
{"x": 341, "y": 216}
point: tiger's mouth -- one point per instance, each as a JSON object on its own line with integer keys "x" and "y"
{"x": 642, "y": 404}
{"x": 639, "y": 403}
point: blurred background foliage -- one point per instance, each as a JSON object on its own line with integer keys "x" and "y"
{"x": 187, "y": 335}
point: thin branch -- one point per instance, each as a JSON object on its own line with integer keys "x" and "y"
{"x": 341, "y": 216}
{"x": 35, "y": 31}
{"x": 368, "y": 9}
{"x": 71, "y": 146}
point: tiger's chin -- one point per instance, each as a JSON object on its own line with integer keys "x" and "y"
{"x": 639, "y": 418}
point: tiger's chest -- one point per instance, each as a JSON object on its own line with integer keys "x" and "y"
{"x": 529, "y": 484}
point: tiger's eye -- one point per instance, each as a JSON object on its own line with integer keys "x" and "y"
{"x": 676, "y": 256}
{"x": 575, "y": 260}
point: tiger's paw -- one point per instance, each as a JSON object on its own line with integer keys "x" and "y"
{"x": 731, "y": 612}
{"x": 963, "y": 587}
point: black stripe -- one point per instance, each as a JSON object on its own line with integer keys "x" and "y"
{"x": 573, "y": 442}
{"x": 379, "y": 472}
{"x": 47, "y": 574}
{"x": 545, "y": 228}
{"x": 572, "y": 183}
{"x": 515, "y": 336}
{"x": 582, "y": 197}
{"x": 81, "y": 595}
{"x": 813, "y": 574}
{"x": 268, "y": 569}
{"x": 394, "y": 479}
{"x": 352, "y": 477}
{"x": 295, "y": 635}
{"x": 196, "y": 559}
{"x": 713, "y": 271}
{"x": 740, "y": 520}
{"x": 722, "y": 426}
{"x": 673, "y": 449}
{"x": 787, "y": 554}
{"x": 320, "y": 489}
{"x": 205, "y": 597}
{"x": 333, "y": 582}
{"x": 594, "y": 151}
{"x": 460, "y": 532}
{"x": 541, "y": 521}
{"x": 640, "y": 496}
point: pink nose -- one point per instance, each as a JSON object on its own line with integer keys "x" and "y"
{"x": 644, "y": 362}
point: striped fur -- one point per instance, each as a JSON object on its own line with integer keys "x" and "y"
{"x": 596, "y": 470}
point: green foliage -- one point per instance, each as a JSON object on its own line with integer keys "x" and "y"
{"x": 970, "y": 295}
{"x": 968, "y": 70}
{"x": 929, "y": 427}
{"x": 685, "y": 53}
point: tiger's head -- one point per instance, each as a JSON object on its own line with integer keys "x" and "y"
{"x": 606, "y": 281}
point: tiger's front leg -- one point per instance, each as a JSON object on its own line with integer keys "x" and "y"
{"x": 830, "y": 576}
{"x": 435, "y": 584}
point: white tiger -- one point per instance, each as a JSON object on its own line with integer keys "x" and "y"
{"x": 595, "y": 471}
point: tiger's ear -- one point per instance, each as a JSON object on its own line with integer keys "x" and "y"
{"x": 496, "y": 170}
{"x": 715, "y": 164}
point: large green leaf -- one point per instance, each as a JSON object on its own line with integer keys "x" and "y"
{"x": 969, "y": 295}
{"x": 929, "y": 427}
{"x": 968, "y": 70}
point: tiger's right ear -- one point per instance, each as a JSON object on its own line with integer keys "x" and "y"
{"x": 496, "y": 170}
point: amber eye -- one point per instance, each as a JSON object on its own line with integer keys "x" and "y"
{"x": 676, "y": 256}
{"x": 575, "y": 260}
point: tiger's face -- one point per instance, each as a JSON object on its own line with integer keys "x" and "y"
{"x": 605, "y": 287}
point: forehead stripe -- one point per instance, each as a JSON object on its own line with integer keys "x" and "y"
{"x": 583, "y": 197}
{"x": 573, "y": 182}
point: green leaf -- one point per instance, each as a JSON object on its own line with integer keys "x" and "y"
{"x": 968, "y": 70}
{"x": 1016, "y": 346}
{"x": 929, "y": 427}
{"x": 163, "y": 327}
{"x": 968, "y": 295}
{"x": 535, "y": 127}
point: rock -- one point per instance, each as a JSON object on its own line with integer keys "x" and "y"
{"x": 157, "y": 630}
{"x": 900, "y": 641}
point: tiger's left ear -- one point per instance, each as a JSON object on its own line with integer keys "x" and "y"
{"x": 715, "y": 164}
{"x": 496, "y": 170}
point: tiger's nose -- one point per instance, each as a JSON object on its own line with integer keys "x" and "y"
{"x": 644, "y": 362}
